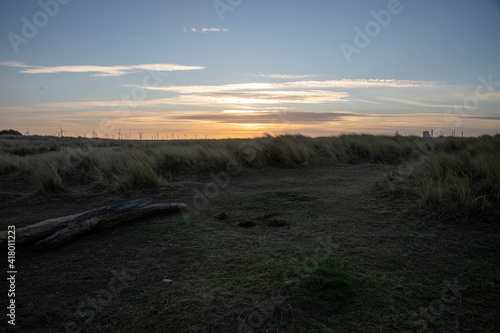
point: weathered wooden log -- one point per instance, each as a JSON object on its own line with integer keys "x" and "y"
{"x": 77, "y": 228}
{"x": 48, "y": 227}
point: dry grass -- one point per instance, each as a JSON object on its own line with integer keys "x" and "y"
{"x": 464, "y": 186}
{"x": 460, "y": 179}
{"x": 448, "y": 176}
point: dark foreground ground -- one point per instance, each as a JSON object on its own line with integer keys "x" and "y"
{"x": 282, "y": 250}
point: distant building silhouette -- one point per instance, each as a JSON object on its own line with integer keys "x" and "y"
{"x": 427, "y": 134}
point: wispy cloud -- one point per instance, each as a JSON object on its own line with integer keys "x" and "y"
{"x": 238, "y": 99}
{"x": 102, "y": 71}
{"x": 206, "y": 30}
{"x": 199, "y": 89}
{"x": 269, "y": 117}
{"x": 365, "y": 83}
{"x": 366, "y": 101}
{"x": 495, "y": 96}
{"x": 244, "y": 95}
{"x": 419, "y": 103}
{"x": 275, "y": 97}
{"x": 14, "y": 64}
{"x": 484, "y": 117}
{"x": 15, "y": 111}
{"x": 330, "y": 84}
{"x": 285, "y": 76}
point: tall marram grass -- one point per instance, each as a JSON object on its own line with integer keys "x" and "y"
{"x": 461, "y": 185}
{"x": 461, "y": 179}
{"x": 106, "y": 168}
{"x": 448, "y": 176}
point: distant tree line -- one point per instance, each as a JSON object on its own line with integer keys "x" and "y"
{"x": 9, "y": 132}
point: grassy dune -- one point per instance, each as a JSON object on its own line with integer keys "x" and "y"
{"x": 451, "y": 177}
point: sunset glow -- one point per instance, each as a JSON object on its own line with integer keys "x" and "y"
{"x": 303, "y": 67}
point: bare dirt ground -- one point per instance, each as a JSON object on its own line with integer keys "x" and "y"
{"x": 235, "y": 262}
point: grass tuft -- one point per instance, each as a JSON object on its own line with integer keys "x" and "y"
{"x": 462, "y": 186}
{"x": 47, "y": 177}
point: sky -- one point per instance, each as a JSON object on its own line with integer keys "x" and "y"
{"x": 240, "y": 68}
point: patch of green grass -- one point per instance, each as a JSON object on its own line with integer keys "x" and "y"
{"x": 327, "y": 288}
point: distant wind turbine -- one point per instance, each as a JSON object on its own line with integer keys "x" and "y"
{"x": 62, "y": 131}
{"x": 140, "y": 136}
{"x": 84, "y": 133}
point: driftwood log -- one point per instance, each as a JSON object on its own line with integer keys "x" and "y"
{"x": 63, "y": 229}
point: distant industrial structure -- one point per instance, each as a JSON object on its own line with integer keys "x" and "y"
{"x": 427, "y": 134}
